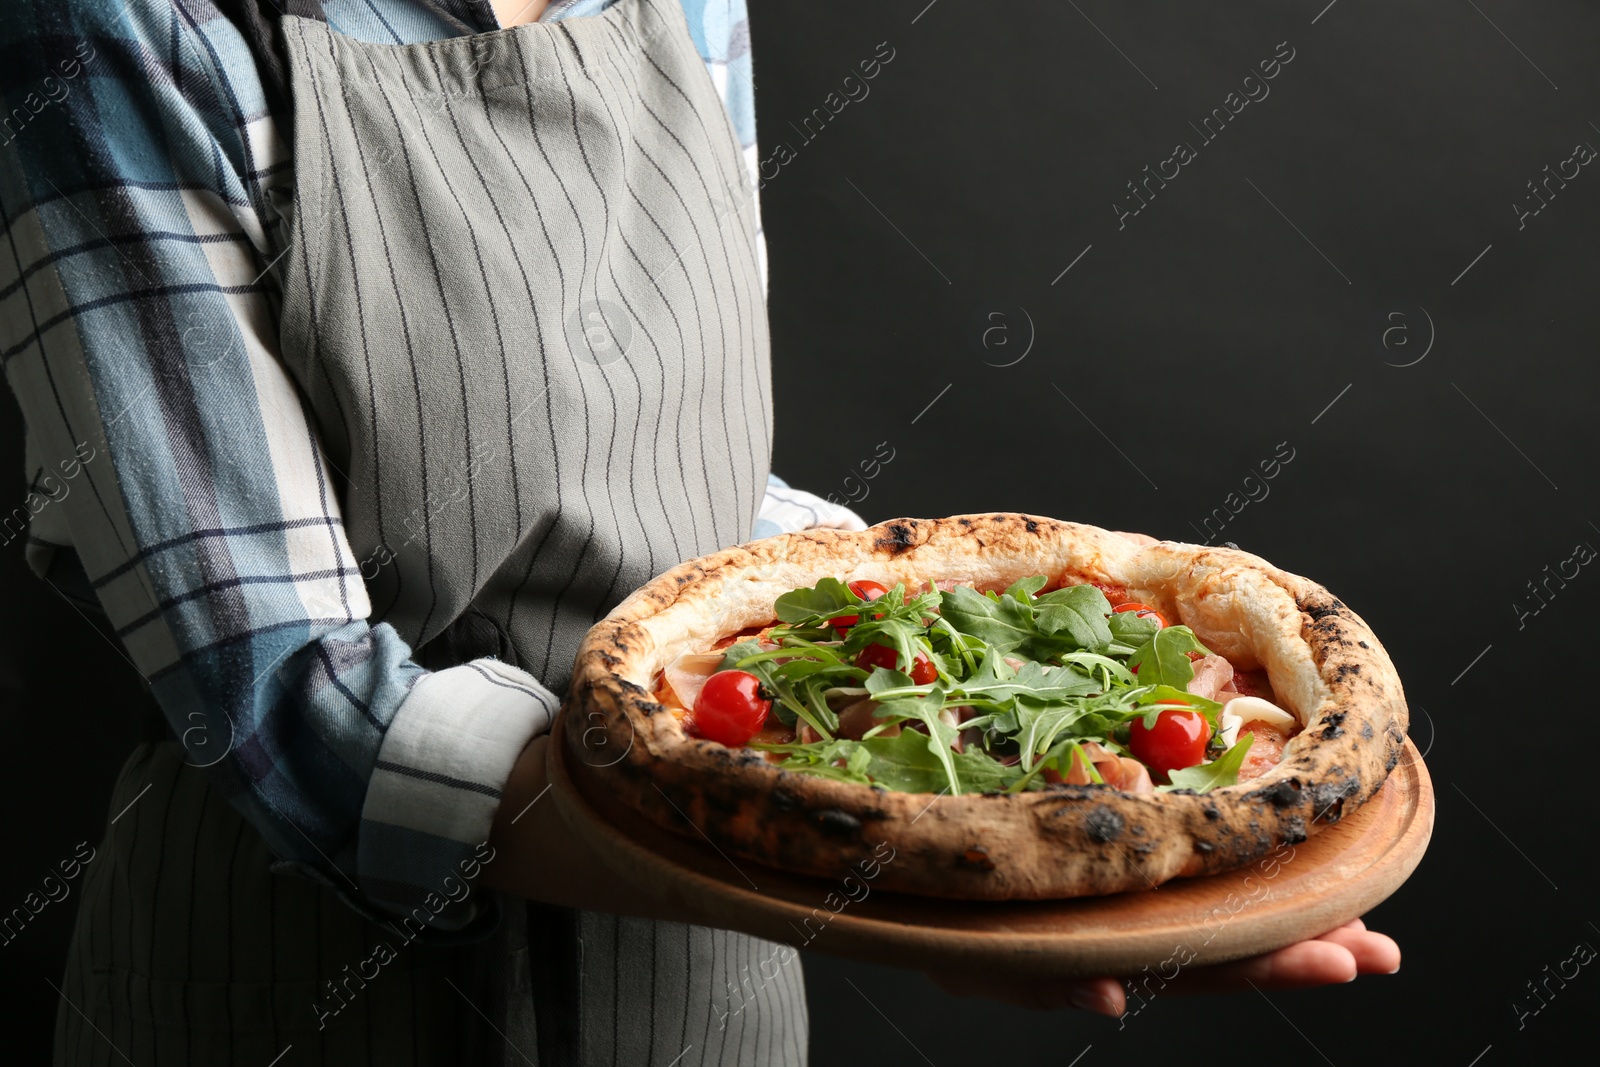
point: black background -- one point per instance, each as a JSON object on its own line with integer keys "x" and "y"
{"x": 1175, "y": 355}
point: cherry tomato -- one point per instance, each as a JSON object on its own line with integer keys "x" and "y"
{"x": 731, "y": 708}
{"x": 1114, "y": 593}
{"x": 866, "y": 590}
{"x": 1141, "y": 610}
{"x": 922, "y": 670}
{"x": 1177, "y": 740}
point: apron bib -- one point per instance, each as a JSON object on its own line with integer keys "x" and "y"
{"x": 531, "y": 330}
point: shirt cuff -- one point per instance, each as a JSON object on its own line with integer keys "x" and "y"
{"x": 436, "y": 786}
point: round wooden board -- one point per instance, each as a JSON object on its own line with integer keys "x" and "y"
{"x": 1336, "y": 875}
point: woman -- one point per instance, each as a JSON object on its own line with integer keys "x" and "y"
{"x": 397, "y": 341}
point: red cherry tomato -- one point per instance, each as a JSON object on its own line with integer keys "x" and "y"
{"x": 922, "y": 670}
{"x": 1141, "y": 610}
{"x": 866, "y": 590}
{"x": 1177, "y": 740}
{"x": 731, "y": 709}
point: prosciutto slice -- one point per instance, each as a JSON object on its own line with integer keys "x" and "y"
{"x": 1119, "y": 772}
{"x": 688, "y": 673}
{"x": 1212, "y": 675}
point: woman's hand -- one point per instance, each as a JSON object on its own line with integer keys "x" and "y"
{"x": 1337, "y": 956}
{"x": 537, "y": 856}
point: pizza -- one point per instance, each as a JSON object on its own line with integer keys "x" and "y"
{"x": 1020, "y": 708}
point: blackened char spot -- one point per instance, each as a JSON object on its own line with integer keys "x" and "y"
{"x": 838, "y": 823}
{"x": 898, "y": 539}
{"x": 1104, "y": 825}
{"x": 1319, "y": 611}
{"x": 1283, "y": 794}
{"x": 1033, "y": 527}
{"x": 784, "y": 800}
{"x": 1327, "y": 798}
{"x": 1366, "y": 731}
{"x": 1294, "y": 830}
{"x": 1212, "y": 813}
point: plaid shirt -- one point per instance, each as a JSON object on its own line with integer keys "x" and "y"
{"x": 139, "y": 168}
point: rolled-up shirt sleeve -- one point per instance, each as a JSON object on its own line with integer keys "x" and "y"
{"x": 171, "y": 461}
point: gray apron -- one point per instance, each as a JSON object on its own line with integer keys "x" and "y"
{"x": 533, "y": 336}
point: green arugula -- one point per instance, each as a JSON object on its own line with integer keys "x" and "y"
{"x": 1080, "y": 612}
{"x": 924, "y": 708}
{"x": 1164, "y": 658}
{"x": 1045, "y": 674}
{"x": 1130, "y": 630}
{"x": 1222, "y": 771}
{"x": 904, "y": 763}
{"x": 829, "y": 597}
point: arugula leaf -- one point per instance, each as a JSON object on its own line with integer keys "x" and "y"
{"x": 1080, "y": 611}
{"x": 904, "y": 763}
{"x": 819, "y": 758}
{"x": 1129, "y": 630}
{"x": 1222, "y": 771}
{"x": 1023, "y": 588}
{"x": 739, "y": 650}
{"x": 1003, "y": 623}
{"x": 1164, "y": 659}
{"x": 828, "y": 597}
{"x": 925, "y": 709}
{"x": 1158, "y": 698}
{"x": 1107, "y": 670}
{"x": 1033, "y": 680}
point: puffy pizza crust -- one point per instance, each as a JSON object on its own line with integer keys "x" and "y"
{"x": 1323, "y": 662}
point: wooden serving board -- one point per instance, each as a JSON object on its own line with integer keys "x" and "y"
{"x": 1336, "y": 875}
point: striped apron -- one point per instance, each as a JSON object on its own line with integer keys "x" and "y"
{"x": 522, "y": 299}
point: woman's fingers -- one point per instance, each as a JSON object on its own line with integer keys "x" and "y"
{"x": 1374, "y": 953}
{"x": 1310, "y": 963}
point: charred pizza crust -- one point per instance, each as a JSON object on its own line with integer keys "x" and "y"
{"x": 1323, "y": 662}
